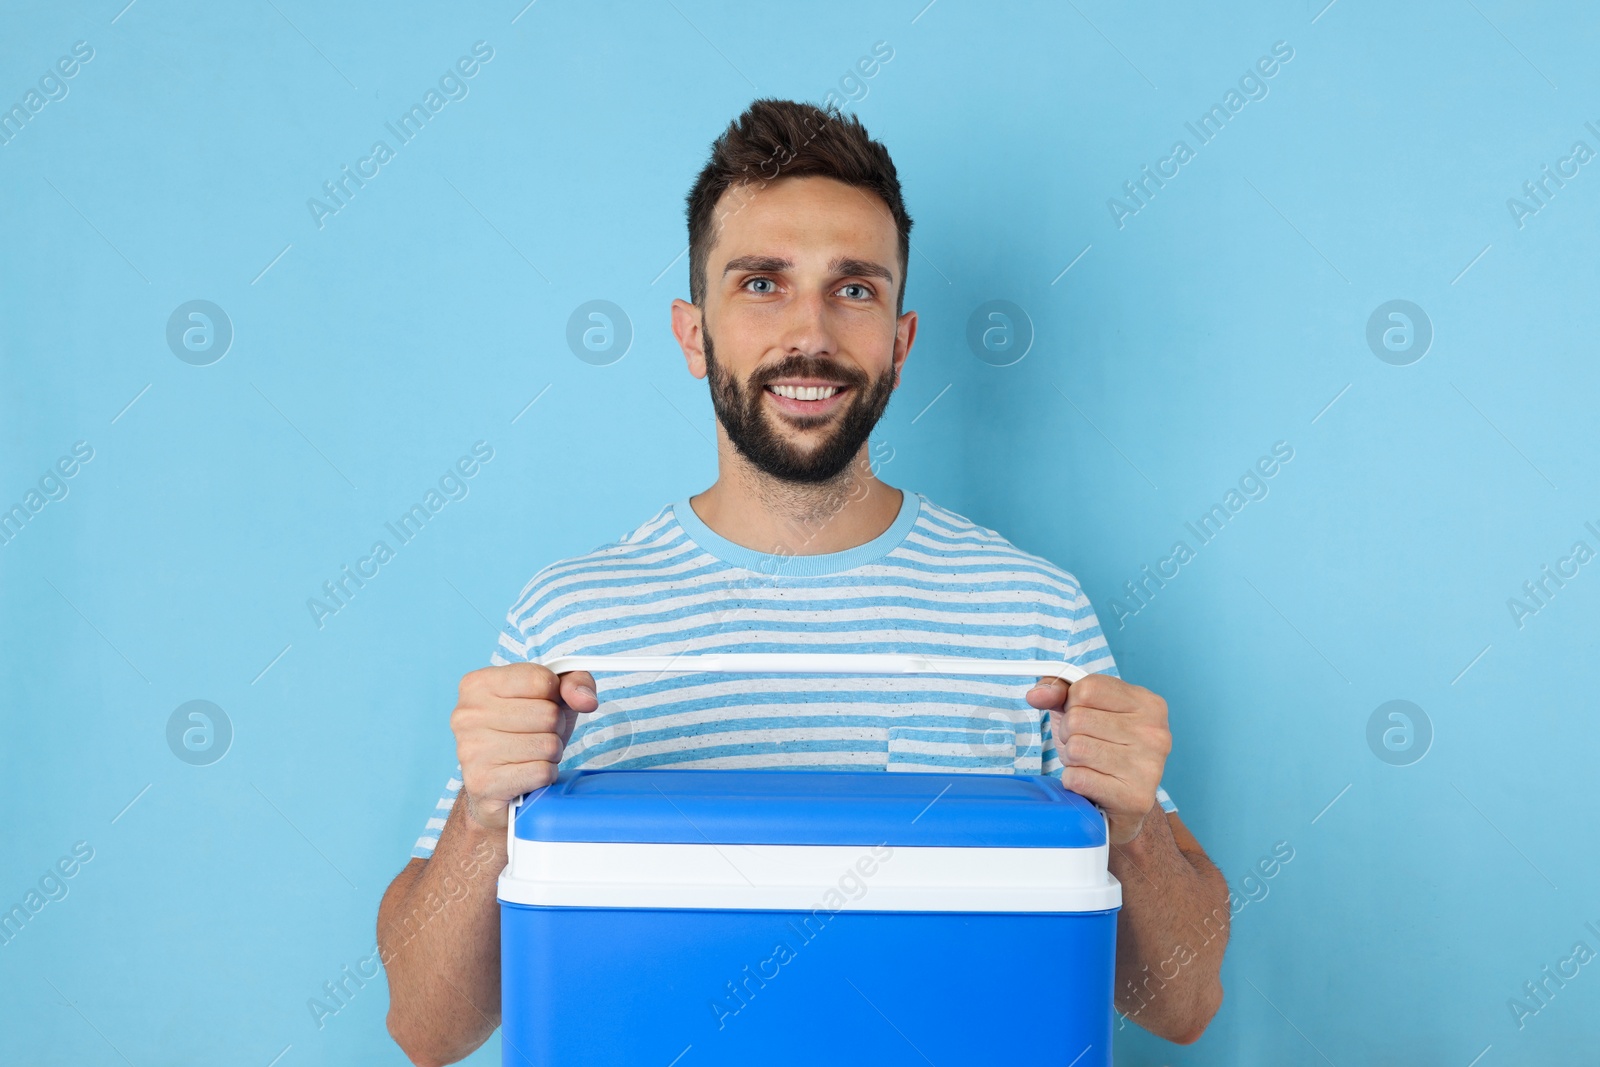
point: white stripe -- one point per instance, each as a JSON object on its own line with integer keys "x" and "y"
{"x": 976, "y": 747}
{"x": 864, "y": 760}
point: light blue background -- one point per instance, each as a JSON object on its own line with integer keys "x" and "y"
{"x": 1225, "y": 316}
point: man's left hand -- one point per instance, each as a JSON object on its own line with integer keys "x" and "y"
{"x": 1112, "y": 739}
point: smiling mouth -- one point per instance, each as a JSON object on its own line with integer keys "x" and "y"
{"x": 806, "y": 392}
{"x": 807, "y": 402}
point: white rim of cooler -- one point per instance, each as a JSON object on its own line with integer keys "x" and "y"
{"x": 811, "y": 878}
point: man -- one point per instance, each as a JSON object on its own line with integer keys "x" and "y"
{"x": 798, "y": 251}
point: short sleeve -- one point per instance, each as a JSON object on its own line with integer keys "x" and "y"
{"x": 1089, "y": 651}
{"x": 425, "y": 845}
{"x": 511, "y": 647}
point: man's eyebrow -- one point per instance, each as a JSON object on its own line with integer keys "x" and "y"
{"x": 844, "y": 265}
{"x": 861, "y": 268}
{"x": 765, "y": 263}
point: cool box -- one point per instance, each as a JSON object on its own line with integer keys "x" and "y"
{"x": 675, "y": 918}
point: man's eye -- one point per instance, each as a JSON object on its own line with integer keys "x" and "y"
{"x": 861, "y": 292}
{"x": 767, "y": 282}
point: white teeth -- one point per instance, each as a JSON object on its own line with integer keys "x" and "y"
{"x": 808, "y": 392}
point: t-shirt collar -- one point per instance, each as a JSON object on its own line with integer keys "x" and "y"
{"x": 781, "y": 566}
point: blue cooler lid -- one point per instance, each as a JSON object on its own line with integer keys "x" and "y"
{"x": 785, "y": 807}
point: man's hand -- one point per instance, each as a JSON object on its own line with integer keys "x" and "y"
{"x": 1113, "y": 741}
{"x": 511, "y": 725}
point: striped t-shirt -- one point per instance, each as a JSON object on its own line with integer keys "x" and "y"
{"x": 933, "y": 583}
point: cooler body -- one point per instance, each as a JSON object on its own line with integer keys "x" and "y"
{"x": 690, "y": 917}
{"x": 636, "y": 986}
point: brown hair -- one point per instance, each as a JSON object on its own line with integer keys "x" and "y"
{"x": 785, "y": 139}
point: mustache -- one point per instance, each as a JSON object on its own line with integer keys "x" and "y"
{"x": 808, "y": 367}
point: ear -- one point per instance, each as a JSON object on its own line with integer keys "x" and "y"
{"x": 687, "y": 326}
{"x": 905, "y": 333}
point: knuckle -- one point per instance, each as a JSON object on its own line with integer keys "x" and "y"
{"x": 543, "y": 678}
{"x": 469, "y": 752}
{"x": 544, "y": 715}
{"x": 472, "y": 782}
{"x": 517, "y": 680}
{"x": 465, "y": 720}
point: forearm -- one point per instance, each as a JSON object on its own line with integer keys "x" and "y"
{"x": 1171, "y": 932}
{"x": 439, "y": 935}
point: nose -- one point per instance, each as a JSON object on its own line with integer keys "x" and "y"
{"x": 807, "y": 330}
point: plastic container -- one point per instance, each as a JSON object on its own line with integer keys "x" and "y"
{"x": 672, "y": 918}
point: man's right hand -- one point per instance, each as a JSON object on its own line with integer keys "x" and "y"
{"x": 511, "y": 725}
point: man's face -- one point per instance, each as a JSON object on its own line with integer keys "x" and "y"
{"x": 801, "y": 284}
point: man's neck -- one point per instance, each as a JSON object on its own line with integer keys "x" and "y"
{"x": 757, "y": 511}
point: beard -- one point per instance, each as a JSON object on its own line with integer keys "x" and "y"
{"x": 742, "y": 412}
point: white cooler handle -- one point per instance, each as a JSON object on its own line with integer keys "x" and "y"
{"x": 804, "y": 663}
{"x": 819, "y": 663}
